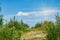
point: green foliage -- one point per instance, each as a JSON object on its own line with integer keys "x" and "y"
{"x": 14, "y": 29}
{"x": 57, "y": 20}
{"x": 54, "y": 33}
{"x": 58, "y": 26}
{"x": 1, "y": 20}
{"x": 18, "y": 26}
{"x": 38, "y": 25}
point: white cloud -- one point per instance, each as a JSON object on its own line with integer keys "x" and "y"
{"x": 22, "y": 14}
{"x": 45, "y": 12}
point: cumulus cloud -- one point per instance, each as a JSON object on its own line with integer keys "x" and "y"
{"x": 38, "y": 13}
{"x": 22, "y": 13}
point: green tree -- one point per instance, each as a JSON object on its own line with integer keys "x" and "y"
{"x": 1, "y": 20}
{"x": 51, "y": 32}
{"x": 38, "y": 25}
{"x": 58, "y": 20}
{"x": 54, "y": 30}
{"x": 16, "y": 28}
{"x": 24, "y": 24}
{"x": 58, "y": 25}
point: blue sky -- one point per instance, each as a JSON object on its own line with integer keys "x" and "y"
{"x": 31, "y": 11}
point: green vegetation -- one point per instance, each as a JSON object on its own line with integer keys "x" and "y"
{"x": 14, "y": 29}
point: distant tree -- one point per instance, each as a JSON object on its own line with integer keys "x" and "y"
{"x": 14, "y": 18}
{"x": 58, "y": 20}
{"x": 1, "y": 17}
{"x": 58, "y": 25}
{"x": 45, "y": 25}
{"x": 51, "y": 25}
{"x": 38, "y": 25}
{"x": 1, "y": 20}
{"x": 24, "y": 24}
{"x": 17, "y": 25}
